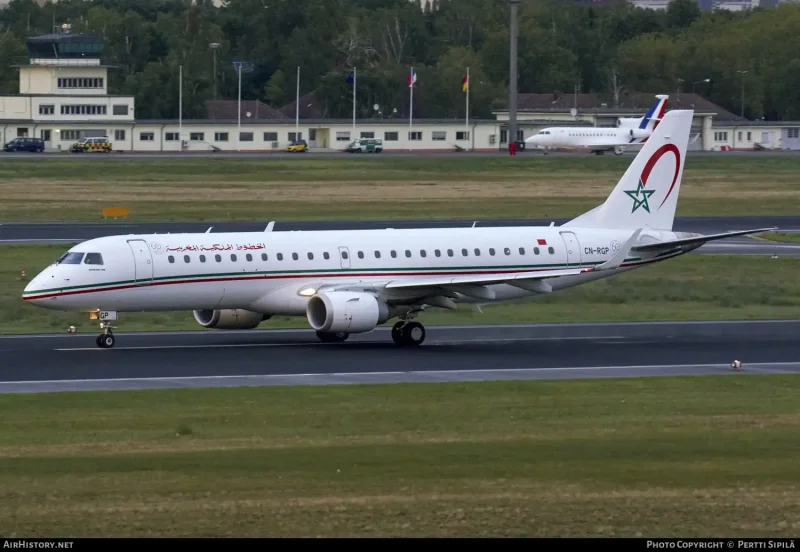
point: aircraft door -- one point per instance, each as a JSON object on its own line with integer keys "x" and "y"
{"x": 344, "y": 257}
{"x": 143, "y": 262}
{"x": 573, "y": 248}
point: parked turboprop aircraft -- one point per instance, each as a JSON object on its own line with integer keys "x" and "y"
{"x": 347, "y": 282}
{"x": 628, "y": 132}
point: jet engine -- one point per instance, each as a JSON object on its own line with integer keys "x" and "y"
{"x": 229, "y": 319}
{"x": 346, "y": 311}
{"x": 640, "y": 133}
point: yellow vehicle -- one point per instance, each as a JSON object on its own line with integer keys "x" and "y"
{"x": 91, "y": 144}
{"x": 298, "y": 147}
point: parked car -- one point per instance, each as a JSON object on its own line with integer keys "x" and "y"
{"x": 100, "y": 143}
{"x": 298, "y": 146}
{"x": 365, "y": 145}
{"x": 25, "y": 144}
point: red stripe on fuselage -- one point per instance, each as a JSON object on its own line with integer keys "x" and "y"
{"x": 308, "y": 276}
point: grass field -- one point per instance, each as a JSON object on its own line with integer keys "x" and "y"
{"x": 694, "y": 287}
{"x": 698, "y": 456}
{"x": 782, "y": 236}
{"x": 376, "y": 188}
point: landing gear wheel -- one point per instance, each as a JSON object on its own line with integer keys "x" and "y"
{"x": 410, "y": 334}
{"x": 332, "y": 337}
{"x": 106, "y": 340}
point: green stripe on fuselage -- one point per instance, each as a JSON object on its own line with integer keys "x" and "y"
{"x": 371, "y": 272}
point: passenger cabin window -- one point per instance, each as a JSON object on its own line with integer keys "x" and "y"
{"x": 249, "y": 257}
{"x": 550, "y": 250}
{"x": 202, "y": 258}
{"x": 422, "y": 253}
{"x": 344, "y": 254}
{"x": 310, "y": 256}
{"x": 171, "y": 259}
{"x": 377, "y": 254}
{"x": 326, "y": 256}
{"x": 70, "y": 258}
{"x": 280, "y": 256}
{"x": 263, "y": 256}
{"x": 233, "y": 258}
{"x": 93, "y": 259}
{"x": 294, "y": 256}
{"x": 491, "y": 251}
{"x": 186, "y": 258}
{"x": 218, "y": 258}
{"x": 360, "y": 254}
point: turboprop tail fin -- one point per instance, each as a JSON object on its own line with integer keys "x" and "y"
{"x": 647, "y": 194}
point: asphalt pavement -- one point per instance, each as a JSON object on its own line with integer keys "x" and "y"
{"x": 450, "y": 353}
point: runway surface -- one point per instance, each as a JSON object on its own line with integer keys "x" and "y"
{"x": 450, "y": 353}
{"x": 73, "y": 232}
{"x": 138, "y": 156}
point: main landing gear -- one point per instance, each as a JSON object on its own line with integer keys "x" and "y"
{"x": 408, "y": 334}
{"x": 106, "y": 340}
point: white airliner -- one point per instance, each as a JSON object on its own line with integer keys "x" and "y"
{"x": 351, "y": 281}
{"x": 628, "y": 132}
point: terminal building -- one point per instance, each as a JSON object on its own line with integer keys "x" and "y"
{"x": 63, "y": 97}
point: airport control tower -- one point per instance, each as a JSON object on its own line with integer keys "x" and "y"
{"x": 63, "y": 93}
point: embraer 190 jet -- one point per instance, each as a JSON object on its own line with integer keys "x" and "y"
{"x": 346, "y": 282}
{"x": 630, "y": 131}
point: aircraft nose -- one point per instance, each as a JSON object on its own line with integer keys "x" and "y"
{"x": 34, "y": 286}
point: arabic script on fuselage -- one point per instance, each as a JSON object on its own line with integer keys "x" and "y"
{"x": 217, "y": 247}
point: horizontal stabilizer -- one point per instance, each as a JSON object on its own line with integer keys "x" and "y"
{"x": 482, "y": 279}
{"x": 697, "y": 240}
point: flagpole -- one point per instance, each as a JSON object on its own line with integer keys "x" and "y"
{"x": 411, "y": 101}
{"x": 239, "y": 111}
{"x": 467, "y": 107}
{"x": 180, "y": 108}
{"x": 297, "y": 108}
{"x": 354, "y": 103}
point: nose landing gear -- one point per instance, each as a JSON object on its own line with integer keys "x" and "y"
{"x": 105, "y": 340}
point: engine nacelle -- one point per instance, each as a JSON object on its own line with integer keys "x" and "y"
{"x": 628, "y": 122}
{"x": 229, "y": 319}
{"x": 640, "y": 133}
{"x": 346, "y": 311}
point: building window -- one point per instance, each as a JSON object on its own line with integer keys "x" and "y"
{"x": 415, "y": 135}
{"x": 368, "y": 135}
{"x": 120, "y": 110}
{"x": 80, "y": 83}
{"x": 720, "y": 136}
{"x": 119, "y": 135}
{"x": 246, "y": 136}
{"x": 342, "y": 136}
{"x": 83, "y": 110}
{"x": 196, "y": 136}
{"x": 439, "y": 135}
{"x": 390, "y": 136}
{"x": 748, "y": 136}
{"x": 270, "y": 136}
{"x": 462, "y": 135}
{"x": 146, "y": 136}
{"x": 793, "y": 133}
{"x": 171, "y": 137}
{"x": 47, "y": 109}
{"x": 295, "y": 136}
{"x": 220, "y": 136}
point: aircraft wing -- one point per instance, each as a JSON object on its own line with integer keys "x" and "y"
{"x": 483, "y": 279}
{"x": 696, "y": 240}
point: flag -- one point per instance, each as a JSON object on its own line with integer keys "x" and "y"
{"x": 465, "y": 83}
{"x": 412, "y": 78}
{"x": 351, "y": 77}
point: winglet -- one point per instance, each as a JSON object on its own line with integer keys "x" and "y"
{"x": 269, "y": 226}
{"x": 620, "y": 255}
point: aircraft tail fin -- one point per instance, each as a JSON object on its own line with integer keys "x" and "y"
{"x": 647, "y": 194}
{"x": 655, "y": 114}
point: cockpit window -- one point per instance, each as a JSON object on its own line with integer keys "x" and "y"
{"x": 70, "y": 258}
{"x": 93, "y": 259}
